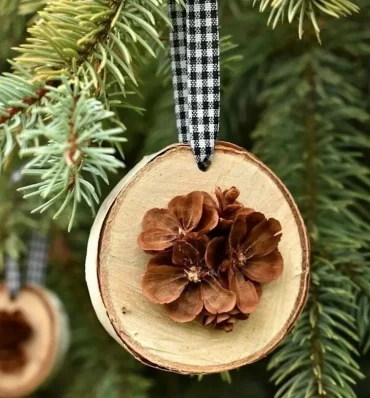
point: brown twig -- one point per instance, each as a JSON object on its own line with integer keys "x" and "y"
{"x": 41, "y": 92}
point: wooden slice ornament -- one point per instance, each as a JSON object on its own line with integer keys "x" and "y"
{"x": 115, "y": 263}
{"x": 37, "y": 319}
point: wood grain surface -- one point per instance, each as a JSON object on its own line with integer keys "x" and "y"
{"x": 115, "y": 264}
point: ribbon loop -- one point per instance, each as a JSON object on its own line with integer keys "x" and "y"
{"x": 36, "y": 264}
{"x": 196, "y": 75}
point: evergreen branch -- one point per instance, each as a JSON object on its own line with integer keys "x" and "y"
{"x": 91, "y": 38}
{"x": 68, "y": 150}
{"x": 14, "y": 219}
{"x": 18, "y": 95}
{"x": 34, "y": 97}
{"x": 323, "y": 339}
{"x": 74, "y": 43}
{"x": 27, "y": 7}
{"x": 313, "y": 104}
{"x": 12, "y": 29}
{"x": 300, "y": 10}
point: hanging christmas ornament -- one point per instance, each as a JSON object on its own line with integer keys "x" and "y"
{"x": 34, "y": 333}
{"x": 198, "y": 267}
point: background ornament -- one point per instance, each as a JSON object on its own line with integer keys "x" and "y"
{"x": 44, "y": 348}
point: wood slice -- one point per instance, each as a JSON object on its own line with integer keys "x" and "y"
{"x": 115, "y": 264}
{"x": 46, "y": 348}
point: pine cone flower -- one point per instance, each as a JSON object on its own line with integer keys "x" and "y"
{"x": 224, "y": 321}
{"x": 228, "y": 207}
{"x": 186, "y": 216}
{"x": 210, "y": 257}
{"x": 14, "y": 332}
{"x": 186, "y": 281}
{"x": 254, "y": 257}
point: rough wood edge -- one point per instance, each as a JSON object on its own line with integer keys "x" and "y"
{"x": 92, "y": 269}
{"x": 55, "y": 353}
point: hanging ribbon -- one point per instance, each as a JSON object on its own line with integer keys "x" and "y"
{"x": 37, "y": 259}
{"x": 12, "y": 276}
{"x": 36, "y": 263}
{"x": 196, "y": 75}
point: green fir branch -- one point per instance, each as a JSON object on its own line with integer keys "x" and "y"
{"x": 302, "y": 10}
{"x": 313, "y": 104}
{"x": 96, "y": 47}
{"x": 68, "y": 152}
{"x": 29, "y": 7}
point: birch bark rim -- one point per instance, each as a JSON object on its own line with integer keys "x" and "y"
{"x": 97, "y": 284}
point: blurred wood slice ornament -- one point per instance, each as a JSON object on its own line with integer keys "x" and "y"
{"x": 44, "y": 335}
{"x": 115, "y": 264}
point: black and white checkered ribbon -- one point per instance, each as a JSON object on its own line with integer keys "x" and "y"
{"x": 36, "y": 259}
{"x": 36, "y": 263}
{"x": 195, "y": 58}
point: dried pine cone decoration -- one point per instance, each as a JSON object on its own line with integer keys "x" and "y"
{"x": 191, "y": 215}
{"x": 210, "y": 257}
{"x": 14, "y": 332}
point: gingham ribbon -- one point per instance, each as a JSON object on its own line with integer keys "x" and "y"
{"x": 196, "y": 75}
{"x": 36, "y": 263}
{"x": 12, "y": 276}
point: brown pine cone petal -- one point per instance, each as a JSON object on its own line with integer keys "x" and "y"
{"x": 185, "y": 254}
{"x": 163, "y": 284}
{"x": 254, "y": 219}
{"x": 238, "y": 232}
{"x": 223, "y": 321}
{"x": 188, "y": 306}
{"x": 227, "y": 197}
{"x": 217, "y": 299}
{"x": 160, "y": 219}
{"x": 258, "y": 288}
{"x": 263, "y": 238}
{"x": 225, "y": 265}
{"x": 220, "y": 198}
{"x": 214, "y": 253}
{"x": 156, "y": 239}
{"x": 208, "y": 221}
{"x": 224, "y": 225}
{"x": 231, "y": 195}
{"x": 246, "y": 294}
{"x": 188, "y": 209}
{"x": 222, "y": 317}
{"x": 162, "y": 258}
{"x": 208, "y": 200}
{"x": 244, "y": 211}
{"x": 264, "y": 269}
{"x": 208, "y": 319}
{"x": 199, "y": 242}
{"x": 230, "y": 211}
